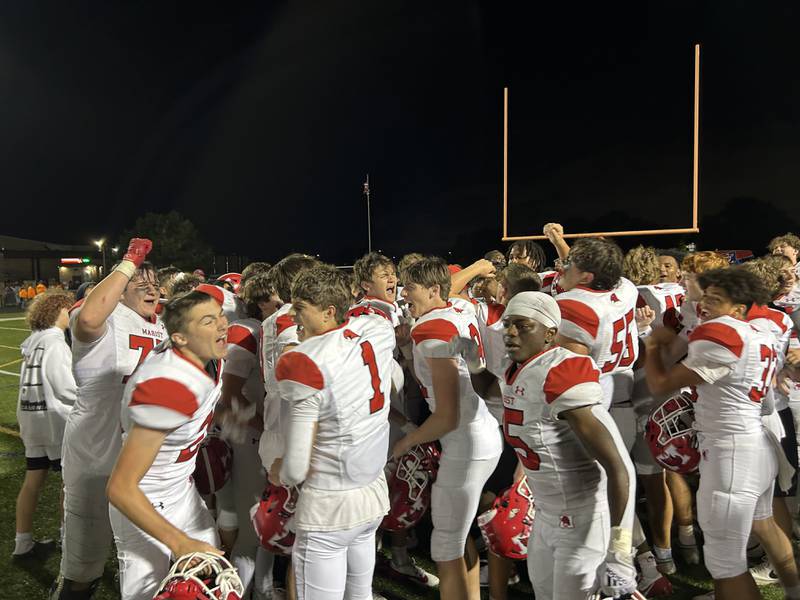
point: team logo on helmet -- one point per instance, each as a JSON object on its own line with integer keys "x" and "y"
{"x": 273, "y": 518}
{"x": 506, "y": 526}
{"x": 671, "y": 436}
{"x": 409, "y": 480}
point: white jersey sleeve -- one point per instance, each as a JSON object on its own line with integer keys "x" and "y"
{"x": 432, "y": 338}
{"x": 242, "y": 355}
{"x": 572, "y": 383}
{"x": 161, "y": 403}
{"x": 579, "y": 321}
{"x": 714, "y": 349}
{"x": 298, "y": 377}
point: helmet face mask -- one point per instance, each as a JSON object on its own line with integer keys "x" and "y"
{"x": 409, "y": 480}
{"x": 201, "y": 576}
{"x": 671, "y": 436}
{"x": 506, "y": 527}
{"x": 273, "y": 519}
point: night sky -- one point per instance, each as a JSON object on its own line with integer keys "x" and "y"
{"x": 259, "y": 121}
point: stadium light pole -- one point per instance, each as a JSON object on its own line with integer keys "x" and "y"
{"x": 369, "y": 218}
{"x": 101, "y": 245}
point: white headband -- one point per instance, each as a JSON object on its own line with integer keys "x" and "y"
{"x": 535, "y": 305}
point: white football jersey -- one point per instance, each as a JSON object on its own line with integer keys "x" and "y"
{"x": 665, "y": 299}
{"x": 242, "y": 358}
{"x": 779, "y": 326}
{"x": 737, "y": 364}
{"x": 101, "y": 369}
{"x": 370, "y": 304}
{"x": 535, "y": 393}
{"x": 550, "y": 283}
{"x": 277, "y": 332}
{"x": 349, "y": 368}
{"x": 47, "y": 388}
{"x": 232, "y": 306}
{"x": 605, "y": 322}
{"x": 477, "y": 430}
{"x": 170, "y": 393}
{"x": 468, "y": 306}
{"x": 490, "y": 326}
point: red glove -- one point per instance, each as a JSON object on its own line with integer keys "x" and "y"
{"x": 138, "y": 248}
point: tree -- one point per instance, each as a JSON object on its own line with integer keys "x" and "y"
{"x": 176, "y": 240}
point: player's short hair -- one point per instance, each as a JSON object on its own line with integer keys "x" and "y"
{"x": 770, "y": 276}
{"x": 430, "y": 271}
{"x": 176, "y": 310}
{"x": 497, "y": 258}
{"x": 778, "y": 263}
{"x": 145, "y": 267}
{"x": 602, "y": 258}
{"x": 532, "y": 250}
{"x": 787, "y": 239}
{"x": 185, "y": 282}
{"x": 324, "y": 285}
{"x": 252, "y": 269}
{"x": 257, "y": 288}
{"x": 44, "y": 309}
{"x": 366, "y": 265}
{"x": 675, "y": 253}
{"x": 518, "y": 278}
{"x": 405, "y": 262}
{"x": 284, "y": 272}
{"x": 705, "y": 260}
{"x": 641, "y": 266}
{"x": 740, "y": 285}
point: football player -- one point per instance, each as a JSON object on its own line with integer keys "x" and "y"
{"x": 46, "y": 394}
{"x": 692, "y": 266}
{"x": 336, "y": 383}
{"x": 568, "y": 445}
{"x": 670, "y": 261}
{"x": 168, "y": 405}
{"x": 113, "y": 330}
{"x": 731, "y": 366}
{"x": 471, "y": 442}
{"x": 787, "y": 245}
{"x": 528, "y": 253}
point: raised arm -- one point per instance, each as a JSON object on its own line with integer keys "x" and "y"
{"x": 555, "y": 233}
{"x": 460, "y": 280}
{"x": 90, "y": 324}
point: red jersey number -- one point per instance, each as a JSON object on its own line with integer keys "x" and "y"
{"x": 528, "y": 458}
{"x": 622, "y": 352}
{"x": 143, "y": 343}
{"x": 378, "y": 400}
{"x": 476, "y": 337}
{"x": 759, "y": 390}
{"x": 191, "y": 450}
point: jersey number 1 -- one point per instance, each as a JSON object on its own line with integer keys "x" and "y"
{"x": 377, "y": 401}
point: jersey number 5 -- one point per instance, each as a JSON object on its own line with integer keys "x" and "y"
{"x": 377, "y": 401}
{"x": 622, "y": 352}
{"x": 528, "y": 458}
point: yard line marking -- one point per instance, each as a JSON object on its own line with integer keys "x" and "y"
{"x": 8, "y": 364}
{"x": 9, "y": 347}
{"x": 15, "y": 329}
{"x": 8, "y": 431}
{"x": 12, "y": 319}
{"x": 9, "y": 373}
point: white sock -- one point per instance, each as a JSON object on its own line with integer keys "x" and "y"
{"x": 662, "y": 553}
{"x": 400, "y": 555}
{"x": 23, "y": 542}
{"x": 647, "y": 563}
{"x": 686, "y": 535}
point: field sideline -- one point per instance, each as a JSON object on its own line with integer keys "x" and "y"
{"x": 31, "y": 580}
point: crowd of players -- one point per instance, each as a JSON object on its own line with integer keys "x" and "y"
{"x": 544, "y": 400}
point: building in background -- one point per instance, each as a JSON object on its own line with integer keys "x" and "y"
{"x": 33, "y": 260}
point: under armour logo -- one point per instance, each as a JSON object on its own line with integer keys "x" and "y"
{"x": 519, "y": 391}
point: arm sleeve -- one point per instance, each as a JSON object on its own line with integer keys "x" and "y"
{"x": 432, "y": 338}
{"x": 572, "y": 383}
{"x": 58, "y": 373}
{"x": 242, "y": 352}
{"x": 578, "y": 321}
{"x": 161, "y": 403}
{"x": 300, "y": 440}
{"x": 714, "y": 349}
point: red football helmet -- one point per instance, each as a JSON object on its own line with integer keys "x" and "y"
{"x": 409, "y": 480}
{"x": 671, "y": 437}
{"x": 506, "y": 526}
{"x": 273, "y": 518}
{"x": 235, "y": 279}
{"x": 201, "y": 576}
{"x": 213, "y": 468}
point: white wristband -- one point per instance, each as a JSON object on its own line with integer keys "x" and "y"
{"x": 127, "y": 268}
{"x": 620, "y": 541}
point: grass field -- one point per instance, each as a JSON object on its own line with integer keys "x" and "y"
{"x": 30, "y": 581}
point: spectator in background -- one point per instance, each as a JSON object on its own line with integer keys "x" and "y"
{"x": 789, "y": 246}
{"x": 47, "y": 392}
{"x": 201, "y": 274}
{"x": 84, "y": 289}
{"x": 41, "y": 287}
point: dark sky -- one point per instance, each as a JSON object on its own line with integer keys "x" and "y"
{"x": 259, "y": 121}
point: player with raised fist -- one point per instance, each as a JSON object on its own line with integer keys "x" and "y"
{"x": 113, "y": 330}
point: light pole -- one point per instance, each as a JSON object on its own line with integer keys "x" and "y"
{"x": 369, "y": 219}
{"x": 101, "y": 245}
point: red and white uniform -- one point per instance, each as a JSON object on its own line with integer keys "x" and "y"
{"x": 779, "y": 326}
{"x": 169, "y": 393}
{"x": 739, "y": 457}
{"x": 604, "y": 321}
{"x": 390, "y": 310}
{"x": 550, "y": 283}
{"x": 92, "y": 436}
{"x": 469, "y": 306}
{"x": 341, "y": 380}
{"x": 242, "y": 359}
{"x": 490, "y": 326}
{"x": 277, "y": 332}
{"x": 470, "y": 452}
{"x": 232, "y": 306}
{"x": 571, "y": 531}
{"x": 665, "y": 299}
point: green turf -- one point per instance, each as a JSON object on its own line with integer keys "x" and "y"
{"x": 31, "y": 581}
